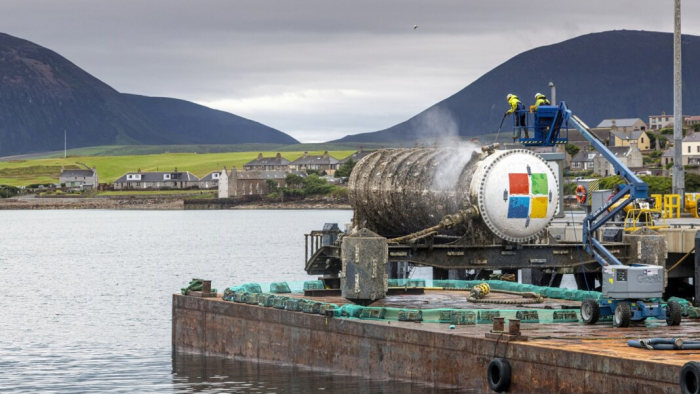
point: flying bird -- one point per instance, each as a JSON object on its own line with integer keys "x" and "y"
{"x": 415, "y": 27}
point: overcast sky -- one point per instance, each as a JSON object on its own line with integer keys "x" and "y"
{"x": 318, "y": 70}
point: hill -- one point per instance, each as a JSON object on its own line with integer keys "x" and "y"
{"x": 620, "y": 74}
{"x": 43, "y": 94}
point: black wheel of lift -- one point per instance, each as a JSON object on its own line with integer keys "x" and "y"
{"x": 673, "y": 313}
{"x": 590, "y": 311}
{"x": 690, "y": 378}
{"x": 498, "y": 375}
{"x": 622, "y": 315}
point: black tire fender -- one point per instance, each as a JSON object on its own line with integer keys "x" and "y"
{"x": 498, "y": 375}
{"x": 690, "y": 378}
{"x": 673, "y": 313}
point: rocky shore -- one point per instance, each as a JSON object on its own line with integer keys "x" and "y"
{"x": 164, "y": 204}
{"x": 92, "y": 203}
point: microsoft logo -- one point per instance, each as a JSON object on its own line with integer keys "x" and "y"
{"x": 529, "y": 196}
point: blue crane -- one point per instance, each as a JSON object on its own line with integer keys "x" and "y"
{"x": 623, "y": 298}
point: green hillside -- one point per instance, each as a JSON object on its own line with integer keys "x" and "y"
{"x": 109, "y": 168}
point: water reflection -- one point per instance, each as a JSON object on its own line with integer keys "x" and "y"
{"x": 195, "y": 373}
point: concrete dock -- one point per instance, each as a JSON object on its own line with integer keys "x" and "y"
{"x": 562, "y": 357}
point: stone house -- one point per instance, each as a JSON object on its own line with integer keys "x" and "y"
{"x": 624, "y": 125}
{"x": 84, "y": 179}
{"x": 210, "y": 181}
{"x": 628, "y": 138}
{"x": 630, "y": 156}
{"x": 667, "y": 157}
{"x": 277, "y": 163}
{"x": 356, "y": 157}
{"x": 692, "y": 120}
{"x": 324, "y": 163}
{"x": 157, "y": 180}
{"x": 236, "y": 183}
{"x": 691, "y": 148}
{"x": 658, "y": 122}
{"x": 583, "y": 160}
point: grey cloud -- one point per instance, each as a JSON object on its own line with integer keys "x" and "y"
{"x": 315, "y": 69}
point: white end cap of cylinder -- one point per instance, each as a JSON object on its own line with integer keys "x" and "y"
{"x": 517, "y": 193}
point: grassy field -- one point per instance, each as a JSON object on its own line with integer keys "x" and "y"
{"x": 109, "y": 168}
{"x": 132, "y": 150}
{"x": 153, "y": 192}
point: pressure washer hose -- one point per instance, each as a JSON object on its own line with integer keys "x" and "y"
{"x": 478, "y": 292}
{"x": 664, "y": 344}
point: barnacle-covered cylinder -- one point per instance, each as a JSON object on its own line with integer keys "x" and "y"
{"x": 401, "y": 191}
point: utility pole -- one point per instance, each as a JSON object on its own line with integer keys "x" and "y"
{"x": 678, "y": 171}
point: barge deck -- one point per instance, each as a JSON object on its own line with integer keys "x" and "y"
{"x": 557, "y": 357}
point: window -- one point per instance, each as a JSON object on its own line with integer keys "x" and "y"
{"x": 642, "y": 140}
{"x": 688, "y": 149}
{"x": 698, "y": 148}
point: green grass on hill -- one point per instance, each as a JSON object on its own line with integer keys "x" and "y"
{"x": 109, "y": 168}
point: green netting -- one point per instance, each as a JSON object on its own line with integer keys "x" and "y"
{"x": 249, "y": 293}
{"x": 313, "y": 285}
{"x": 406, "y": 283}
{"x": 279, "y": 287}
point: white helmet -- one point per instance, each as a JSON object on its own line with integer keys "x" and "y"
{"x": 509, "y": 96}
{"x": 538, "y": 95}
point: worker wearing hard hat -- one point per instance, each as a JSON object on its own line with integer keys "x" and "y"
{"x": 541, "y": 99}
{"x": 520, "y": 117}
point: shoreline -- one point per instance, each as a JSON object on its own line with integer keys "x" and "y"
{"x": 167, "y": 204}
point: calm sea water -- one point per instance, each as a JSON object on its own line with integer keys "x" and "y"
{"x": 86, "y": 303}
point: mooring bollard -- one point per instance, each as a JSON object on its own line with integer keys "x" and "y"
{"x": 206, "y": 286}
{"x": 498, "y": 324}
{"x": 514, "y": 326}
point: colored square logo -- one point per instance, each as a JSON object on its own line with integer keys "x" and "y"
{"x": 539, "y": 207}
{"x": 519, "y": 184}
{"x": 539, "y": 184}
{"x": 518, "y": 207}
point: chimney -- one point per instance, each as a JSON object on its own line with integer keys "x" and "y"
{"x": 306, "y": 154}
{"x": 325, "y": 154}
{"x": 362, "y": 149}
{"x": 139, "y": 171}
{"x": 176, "y": 170}
{"x": 259, "y": 155}
{"x": 279, "y": 155}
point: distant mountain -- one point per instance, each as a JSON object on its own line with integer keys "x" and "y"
{"x": 614, "y": 74}
{"x": 42, "y": 94}
{"x": 189, "y": 123}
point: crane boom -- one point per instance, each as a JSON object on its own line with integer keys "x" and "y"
{"x": 548, "y": 122}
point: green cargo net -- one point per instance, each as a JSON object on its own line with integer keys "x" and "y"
{"x": 272, "y": 295}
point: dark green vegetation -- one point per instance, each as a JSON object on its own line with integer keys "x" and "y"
{"x": 44, "y": 94}
{"x": 601, "y": 75}
{"x": 8, "y": 191}
{"x": 346, "y": 169}
{"x": 312, "y": 185}
{"x": 657, "y": 184}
